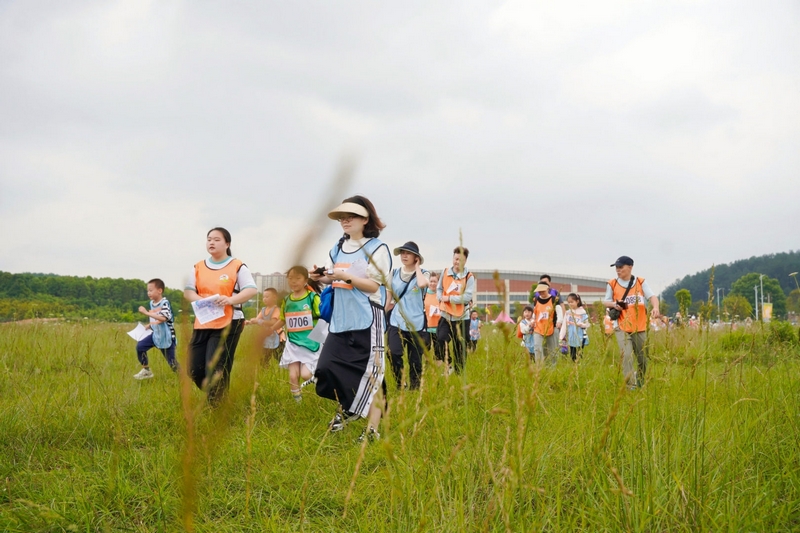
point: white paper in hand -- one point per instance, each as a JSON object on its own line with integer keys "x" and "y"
{"x": 358, "y": 269}
{"x": 139, "y": 332}
{"x": 207, "y": 309}
{"x": 320, "y": 332}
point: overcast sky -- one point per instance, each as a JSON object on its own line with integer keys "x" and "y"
{"x": 555, "y": 135}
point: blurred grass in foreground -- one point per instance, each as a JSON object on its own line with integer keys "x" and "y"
{"x": 710, "y": 443}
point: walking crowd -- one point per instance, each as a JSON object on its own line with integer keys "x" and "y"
{"x": 337, "y": 316}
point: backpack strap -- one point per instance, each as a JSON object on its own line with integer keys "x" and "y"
{"x": 408, "y": 284}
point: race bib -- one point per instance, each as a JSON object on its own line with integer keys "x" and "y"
{"x": 544, "y": 315}
{"x": 299, "y": 321}
{"x": 434, "y": 311}
{"x": 338, "y": 284}
{"x": 454, "y": 287}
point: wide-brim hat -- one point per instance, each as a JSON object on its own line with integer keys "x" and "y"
{"x": 348, "y": 208}
{"x": 542, "y": 287}
{"x": 412, "y": 247}
{"x": 621, "y": 261}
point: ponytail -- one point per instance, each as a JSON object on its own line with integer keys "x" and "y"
{"x": 225, "y": 235}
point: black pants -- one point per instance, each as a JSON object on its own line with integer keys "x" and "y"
{"x": 411, "y": 342}
{"x": 455, "y": 334}
{"x": 436, "y": 345}
{"x": 202, "y": 352}
{"x": 575, "y": 351}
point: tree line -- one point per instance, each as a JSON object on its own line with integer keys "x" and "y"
{"x": 28, "y": 295}
{"x": 776, "y": 267}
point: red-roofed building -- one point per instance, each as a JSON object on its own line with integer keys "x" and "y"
{"x": 490, "y": 290}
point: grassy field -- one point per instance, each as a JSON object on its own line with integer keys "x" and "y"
{"x": 711, "y": 443}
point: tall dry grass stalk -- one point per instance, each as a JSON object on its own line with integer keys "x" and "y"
{"x": 218, "y": 419}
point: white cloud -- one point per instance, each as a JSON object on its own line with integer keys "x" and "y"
{"x": 676, "y": 55}
{"x": 513, "y": 123}
{"x": 543, "y": 27}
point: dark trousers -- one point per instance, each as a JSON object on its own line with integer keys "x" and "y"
{"x": 455, "y": 334}
{"x": 436, "y": 345}
{"x": 575, "y": 351}
{"x": 411, "y": 342}
{"x": 210, "y": 370}
{"x": 146, "y": 344}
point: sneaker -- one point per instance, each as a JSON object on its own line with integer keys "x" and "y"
{"x": 340, "y": 421}
{"x": 144, "y": 373}
{"x": 370, "y": 434}
{"x": 308, "y": 382}
{"x": 297, "y": 397}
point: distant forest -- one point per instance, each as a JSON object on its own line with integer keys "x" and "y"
{"x": 777, "y": 266}
{"x": 24, "y": 296}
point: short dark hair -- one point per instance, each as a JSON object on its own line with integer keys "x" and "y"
{"x": 157, "y": 282}
{"x": 460, "y": 250}
{"x": 527, "y": 308}
{"x": 271, "y": 289}
{"x": 547, "y": 276}
{"x": 374, "y": 225}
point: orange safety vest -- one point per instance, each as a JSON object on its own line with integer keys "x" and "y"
{"x": 608, "y": 325}
{"x": 448, "y": 280}
{"x": 544, "y": 316}
{"x": 209, "y": 282}
{"x": 634, "y": 318}
{"x": 432, "y": 312}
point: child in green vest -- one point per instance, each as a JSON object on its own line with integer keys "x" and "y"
{"x": 299, "y": 314}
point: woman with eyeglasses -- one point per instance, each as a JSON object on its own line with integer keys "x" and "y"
{"x": 351, "y": 364}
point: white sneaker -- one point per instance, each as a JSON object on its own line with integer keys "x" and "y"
{"x": 144, "y": 373}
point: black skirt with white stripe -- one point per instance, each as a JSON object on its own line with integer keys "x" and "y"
{"x": 351, "y": 366}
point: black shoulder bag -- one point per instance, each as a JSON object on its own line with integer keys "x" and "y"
{"x": 614, "y": 314}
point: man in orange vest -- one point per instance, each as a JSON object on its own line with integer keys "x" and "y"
{"x": 454, "y": 292}
{"x": 629, "y": 296}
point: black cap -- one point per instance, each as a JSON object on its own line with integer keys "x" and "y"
{"x": 412, "y": 247}
{"x": 622, "y": 260}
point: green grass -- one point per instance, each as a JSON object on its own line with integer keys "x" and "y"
{"x": 711, "y": 443}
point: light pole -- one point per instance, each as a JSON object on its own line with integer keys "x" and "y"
{"x": 719, "y": 302}
{"x": 756, "y": 301}
{"x": 761, "y": 281}
{"x": 794, "y": 275}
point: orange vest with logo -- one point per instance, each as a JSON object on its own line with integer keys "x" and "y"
{"x": 210, "y": 282}
{"x": 432, "y": 313}
{"x": 543, "y": 313}
{"x": 634, "y": 318}
{"x": 448, "y": 280}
